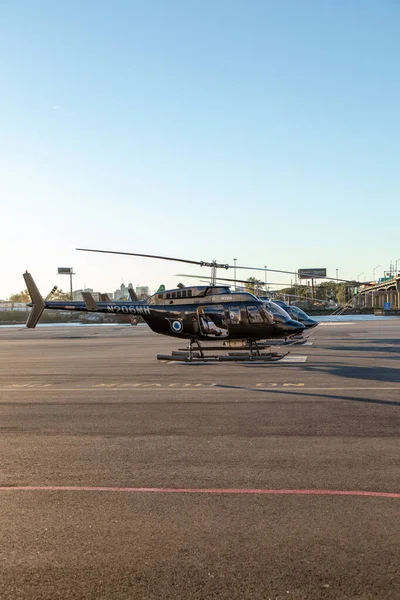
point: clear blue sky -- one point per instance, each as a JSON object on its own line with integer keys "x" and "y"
{"x": 261, "y": 130}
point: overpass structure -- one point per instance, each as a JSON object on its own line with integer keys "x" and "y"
{"x": 377, "y": 294}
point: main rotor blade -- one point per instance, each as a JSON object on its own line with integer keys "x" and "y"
{"x": 261, "y": 269}
{"x": 191, "y": 262}
{"x": 258, "y": 283}
{"x": 203, "y": 263}
{"x": 304, "y": 276}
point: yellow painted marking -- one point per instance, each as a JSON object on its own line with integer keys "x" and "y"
{"x": 28, "y": 385}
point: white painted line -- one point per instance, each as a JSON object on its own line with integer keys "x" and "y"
{"x": 336, "y": 323}
{"x": 293, "y": 359}
{"x": 372, "y": 336}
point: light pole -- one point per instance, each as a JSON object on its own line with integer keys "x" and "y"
{"x": 358, "y": 276}
{"x": 337, "y": 274}
{"x": 266, "y": 288}
{"x": 396, "y": 264}
{"x": 373, "y": 272}
{"x": 67, "y": 271}
{"x": 234, "y": 270}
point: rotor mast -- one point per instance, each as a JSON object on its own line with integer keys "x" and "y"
{"x": 214, "y": 265}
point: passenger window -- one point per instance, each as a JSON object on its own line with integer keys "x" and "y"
{"x": 254, "y": 315}
{"x": 183, "y": 293}
{"x": 168, "y": 296}
{"x": 234, "y": 315}
{"x": 173, "y": 295}
{"x": 178, "y": 294}
{"x": 189, "y": 293}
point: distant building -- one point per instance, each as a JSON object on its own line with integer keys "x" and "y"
{"x": 77, "y": 294}
{"x": 142, "y": 291}
{"x": 9, "y": 306}
{"x": 6, "y": 305}
{"x": 121, "y": 293}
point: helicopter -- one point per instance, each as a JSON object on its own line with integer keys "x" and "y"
{"x": 272, "y": 304}
{"x": 209, "y": 313}
{"x": 295, "y": 313}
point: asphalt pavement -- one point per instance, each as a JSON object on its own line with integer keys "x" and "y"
{"x": 125, "y": 477}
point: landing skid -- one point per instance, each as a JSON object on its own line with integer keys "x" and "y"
{"x": 253, "y": 354}
{"x": 295, "y": 340}
{"x": 291, "y": 341}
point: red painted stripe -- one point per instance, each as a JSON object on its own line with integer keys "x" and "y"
{"x": 72, "y": 488}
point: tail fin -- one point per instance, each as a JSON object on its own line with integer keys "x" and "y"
{"x": 132, "y": 295}
{"x": 38, "y": 304}
{"x": 91, "y": 304}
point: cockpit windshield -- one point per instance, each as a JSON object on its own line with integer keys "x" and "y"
{"x": 278, "y": 314}
{"x": 297, "y": 312}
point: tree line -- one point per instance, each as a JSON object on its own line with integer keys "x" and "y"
{"x": 323, "y": 292}
{"x": 23, "y": 296}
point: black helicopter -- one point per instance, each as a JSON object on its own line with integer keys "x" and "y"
{"x": 294, "y": 312}
{"x": 272, "y": 304}
{"x": 197, "y": 314}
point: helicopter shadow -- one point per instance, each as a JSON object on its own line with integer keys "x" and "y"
{"x": 393, "y": 349}
{"x": 306, "y": 394}
{"x": 384, "y": 374}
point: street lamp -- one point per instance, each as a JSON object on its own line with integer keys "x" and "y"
{"x": 67, "y": 271}
{"x": 396, "y": 264}
{"x": 234, "y": 270}
{"x": 373, "y": 272}
{"x": 265, "y": 267}
{"x": 358, "y": 276}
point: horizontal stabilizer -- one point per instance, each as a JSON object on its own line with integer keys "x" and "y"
{"x": 38, "y": 304}
{"x": 105, "y": 298}
{"x": 90, "y": 302}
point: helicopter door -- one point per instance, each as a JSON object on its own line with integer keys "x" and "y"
{"x": 213, "y": 321}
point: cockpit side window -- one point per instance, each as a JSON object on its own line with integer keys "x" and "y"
{"x": 234, "y": 315}
{"x": 268, "y": 317}
{"x": 298, "y": 312}
{"x": 277, "y": 313}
